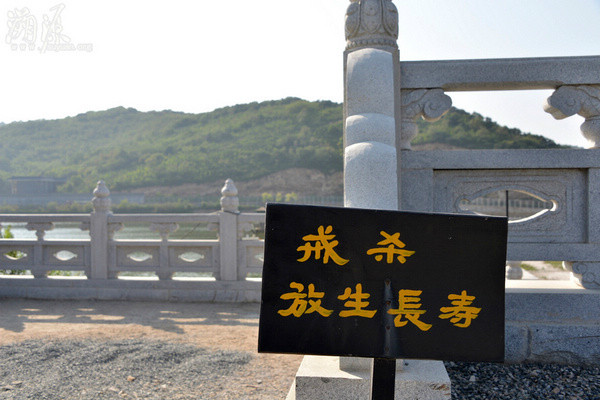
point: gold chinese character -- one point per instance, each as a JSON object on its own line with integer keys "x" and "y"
{"x": 357, "y": 303}
{"x": 409, "y": 308}
{"x": 322, "y": 242}
{"x": 395, "y": 247}
{"x": 460, "y": 310}
{"x": 299, "y": 305}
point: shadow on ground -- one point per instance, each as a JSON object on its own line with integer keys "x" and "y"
{"x": 169, "y": 317}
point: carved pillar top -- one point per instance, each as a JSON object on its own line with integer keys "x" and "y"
{"x": 101, "y": 200}
{"x": 371, "y": 23}
{"x": 229, "y": 200}
{"x": 583, "y": 100}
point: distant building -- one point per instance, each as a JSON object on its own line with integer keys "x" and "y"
{"x": 33, "y": 185}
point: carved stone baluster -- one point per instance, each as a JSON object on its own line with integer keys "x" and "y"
{"x": 583, "y": 100}
{"x": 38, "y": 249}
{"x": 429, "y": 104}
{"x": 40, "y": 228}
{"x": 164, "y": 230}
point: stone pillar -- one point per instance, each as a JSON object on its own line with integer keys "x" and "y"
{"x": 228, "y": 254}
{"x": 372, "y": 120}
{"x": 99, "y": 232}
{"x": 370, "y": 159}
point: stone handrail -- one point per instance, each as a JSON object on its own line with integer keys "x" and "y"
{"x": 500, "y": 74}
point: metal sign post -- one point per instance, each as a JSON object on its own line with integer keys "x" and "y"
{"x": 383, "y": 379}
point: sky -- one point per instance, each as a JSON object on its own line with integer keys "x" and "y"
{"x": 196, "y": 56}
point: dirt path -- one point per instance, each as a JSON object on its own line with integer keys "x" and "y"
{"x": 229, "y": 327}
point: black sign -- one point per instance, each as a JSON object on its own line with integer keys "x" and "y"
{"x": 385, "y": 284}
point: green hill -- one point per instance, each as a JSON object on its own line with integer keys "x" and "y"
{"x": 133, "y": 149}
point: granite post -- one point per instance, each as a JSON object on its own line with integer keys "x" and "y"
{"x": 99, "y": 232}
{"x": 372, "y": 108}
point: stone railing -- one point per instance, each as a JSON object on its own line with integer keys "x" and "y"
{"x": 545, "y": 320}
{"x": 222, "y": 268}
{"x": 569, "y": 179}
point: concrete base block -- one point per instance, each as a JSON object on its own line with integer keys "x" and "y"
{"x": 320, "y": 377}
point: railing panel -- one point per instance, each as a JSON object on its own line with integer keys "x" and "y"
{"x": 65, "y": 254}
{"x": 15, "y": 254}
{"x": 137, "y": 256}
{"x": 194, "y": 258}
{"x": 565, "y": 188}
{"x": 183, "y": 256}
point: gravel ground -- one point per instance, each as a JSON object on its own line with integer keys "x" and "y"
{"x": 523, "y": 381}
{"x": 129, "y": 369}
{"x": 152, "y": 369}
{"x": 89, "y": 350}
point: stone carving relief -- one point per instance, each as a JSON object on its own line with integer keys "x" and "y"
{"x": 430, "y": 104}
{"x": 114, "y": 227}
{"x": 371, "y": 23}
{"x": 583, "y": 100}
{"x": 586, "y": 274}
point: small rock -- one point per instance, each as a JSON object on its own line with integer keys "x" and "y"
{"x": 7, "y": 388}
{"x": 259, "y": 381}
{"x": 473, "y": 378}
{"x": 17, "y": 383}
{"x": 131, "y": 378}
{"x": 163, "y": 386}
